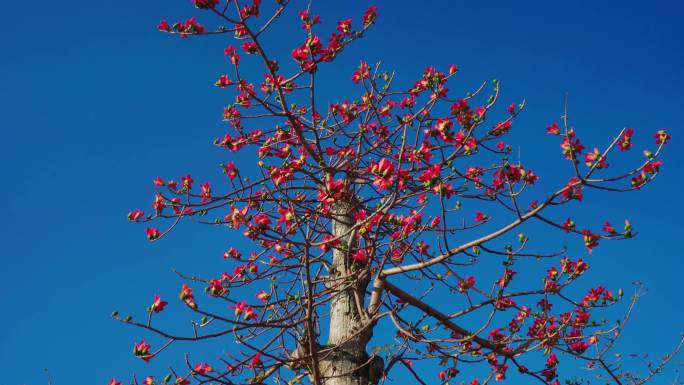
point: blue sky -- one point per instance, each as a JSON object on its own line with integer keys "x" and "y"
{"x": 96, "y": 103}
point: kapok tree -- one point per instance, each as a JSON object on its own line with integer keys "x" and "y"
{"x": 376, "y": 212}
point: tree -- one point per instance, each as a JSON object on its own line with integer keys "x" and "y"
{"x": 359, "y": 214}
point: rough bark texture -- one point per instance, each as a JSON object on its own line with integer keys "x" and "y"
{"x": 348, "y": 365}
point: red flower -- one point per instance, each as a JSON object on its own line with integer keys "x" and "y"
{"x": 361, "y": 73}
{"x": 552, "y": 361}
{"x": 511, "y": 108}
{"x": 573, "y": 190}
{"x": 135, "y": 215}
{"x": 465, "y": 284}
{"x": 569, "y": 225}
{"x": 250, "y": 47}
{"x": 571, "y": 148}
{"x": 206, "y": 192}
{"x": 149, "y": 381}
{"x": 590, "y": 239}
{"x": 163, "y": 26}
{"x": 553, "y": 129}
{"x": 142, "y": 350}
{"x": 452, "y": 69}
{"x": 114, "y": 382}
{"x": 506, "y": 278}
{"x": 262, "y": 221}
{"x": 152, "y": 233}
{"x": 158, "y": 305}
{"x": 360, "y": 255}
{"x": 256, "y": 360}
{"x": 344, "y": 26}
{"x": 662, "y": 137}
{"x": 384, "y": 172}
{"x": 594, "y": 158}
{"x": 653, "y": 167}
{"x": 608, "y": 228}
{"x": 370, "y": 16}
{"x": 625, "y": 142}
{"x": 203, "y": 368}
{"x": 263, "y": 296}
{"x": 480, "y": 217}
{"x": 158, "y": 182}
{"x": 237, "y": 216}
{"x": 232, "y": 253}
{"x": 187, "y": 296}
{"x": 223, "y": 81}
{"x": 186, "y": 182}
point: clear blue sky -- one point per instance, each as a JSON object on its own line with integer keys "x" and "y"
{"x": 96, "y": 103}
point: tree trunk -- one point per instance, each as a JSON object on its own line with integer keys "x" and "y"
{"x": 348, "y": 364}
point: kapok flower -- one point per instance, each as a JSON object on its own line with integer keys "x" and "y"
{"x": 262, "y": 221}
{"x": 206, "y": 192}
{"x": 369, "y": 16}
{"x": 250, "y": 47}
{"x": 186, "y": 182}
{"x": 360, "y": 255}
{"x": 232, "y": 253}
{"x": 573, "y": 190}
{"x": 263, "y": 296}
{"x": 142, "y": 350}
{"x": 480, "y": 217}
{"x": 506, "y": 277}
{"x": 608, "y": 228}
{"x": 571, "y": 146}
{"x": 203, "y": 368}
{"x": 223, "y": 81}
{"x": 361, "y": 73}
{"x": 568, "y": 225}
{"x": 625, "y": 142}
{"x": 590, "y": 239}
{"x": 114, "y": 382}
{"x": 152, "y": 233}
{"x": 465, "y": 284}
{"x": 255, "y": 361}
{"x": 553, "y": 129}
{"x": 384, "y": 172}
{"x": 344, "y": 26}
{"x": 187, "y": 296}
{"x": 662, "y": 137}
{"x": 135, "y": 215}
{"x": 149, "y": 381}
{"x": 236, "y": 216}
{"x": 594, "y": 158}
{"x": 158, "y": 305}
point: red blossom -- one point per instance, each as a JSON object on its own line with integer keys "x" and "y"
{"x": 152, "y": 233}
{"x": 158, "y": 305}
{"x": 625, "y": 142}
{"x": 135, "y": 215}
{"x": 142, "y": 350}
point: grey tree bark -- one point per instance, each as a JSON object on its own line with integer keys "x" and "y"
{"x": 344, "y": 360}
{"x": 348, "y": 364}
